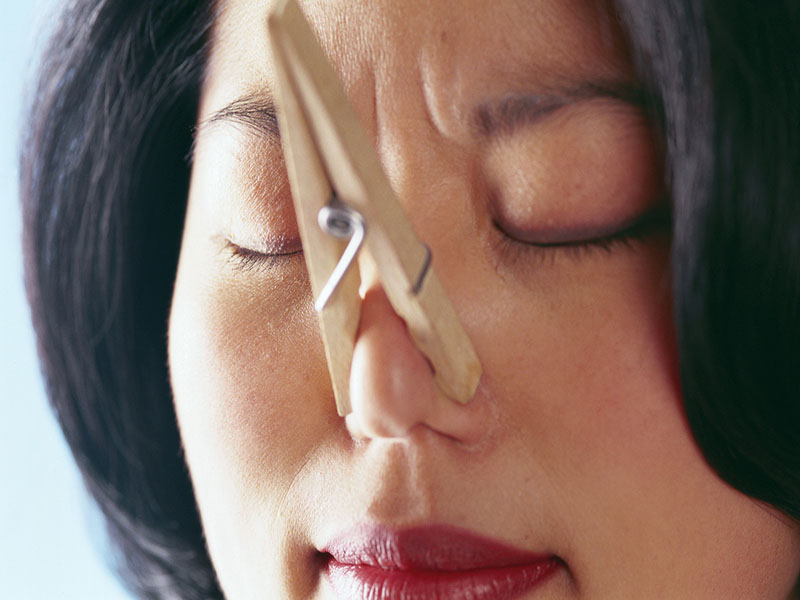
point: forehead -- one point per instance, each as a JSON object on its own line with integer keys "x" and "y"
{"x": 448, "y": 53}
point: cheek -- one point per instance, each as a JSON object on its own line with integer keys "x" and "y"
{"x": 592, "y": 337}
{"x": 589, "y": 383}
{"x": 253, "y": 399}
{"x": 241, "y": 366}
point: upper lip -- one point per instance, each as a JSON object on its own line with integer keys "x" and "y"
{"x": 426, "y": 548}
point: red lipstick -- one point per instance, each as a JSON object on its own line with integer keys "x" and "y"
{"x": 431, "y": 563}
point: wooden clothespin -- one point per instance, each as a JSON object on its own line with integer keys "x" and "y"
{"x": 339, "y": 188}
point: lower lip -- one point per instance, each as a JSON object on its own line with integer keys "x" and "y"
{"x": 365, "y": 582}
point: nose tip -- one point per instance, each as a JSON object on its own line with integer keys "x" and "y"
{"x": 392, "y": 384}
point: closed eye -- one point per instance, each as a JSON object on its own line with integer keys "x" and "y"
{"x": 516, "y": 245}
{"x": 246, "y": 259}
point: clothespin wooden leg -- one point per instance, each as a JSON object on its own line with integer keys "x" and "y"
{"x": 313, "y": 99}
{"x": 311, "y": 191}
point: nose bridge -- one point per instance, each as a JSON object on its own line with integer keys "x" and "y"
{"x": 393, "y": 388}
{"x": 430, "y": 176}
{"x": 429, "y": 168}
{"x": 401, "y": 83}
{"x": 392, "y": 383}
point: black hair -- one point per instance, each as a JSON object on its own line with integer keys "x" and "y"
{"x": 727, "y": 76}
{"x": 104, "y": 185}
{"x": 104, "y": 180}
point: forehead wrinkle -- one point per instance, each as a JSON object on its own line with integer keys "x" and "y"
{"x": 380, "y": 55}
{"x": 505, "y": 115}
{"x": 561, "y": 49}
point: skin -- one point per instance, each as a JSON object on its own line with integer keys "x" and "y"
{"x": 575, "y": 443}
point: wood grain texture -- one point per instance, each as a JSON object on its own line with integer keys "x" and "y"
{"x": 327, "y": 147}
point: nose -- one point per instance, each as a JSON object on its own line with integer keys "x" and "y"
{"x": 392, "y": 385}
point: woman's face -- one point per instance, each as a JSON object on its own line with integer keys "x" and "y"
{"x": 511, "y": 133}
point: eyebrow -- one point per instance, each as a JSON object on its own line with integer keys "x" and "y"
{"x": 513, "y": 111}
{"x": 256, "y": 111}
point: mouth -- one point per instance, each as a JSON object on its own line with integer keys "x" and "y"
{"x": 431, "y": 563}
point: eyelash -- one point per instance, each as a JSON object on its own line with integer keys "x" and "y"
{"x": 509, "y": 248}
{"x": 512, "y": 249}
{"x": 244, "y": 259}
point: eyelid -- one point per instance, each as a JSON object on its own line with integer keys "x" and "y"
{"x": 270, "y": 245}
{"x": 657, "y": 218}
{"x": 246, "y": 259}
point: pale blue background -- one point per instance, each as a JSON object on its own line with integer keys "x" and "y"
{"x": 51, "y": 544}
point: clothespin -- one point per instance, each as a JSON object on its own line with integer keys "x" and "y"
{"x": 340, "y": 192}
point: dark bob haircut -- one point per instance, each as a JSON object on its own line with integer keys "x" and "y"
{"x": 104, "y": 180}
